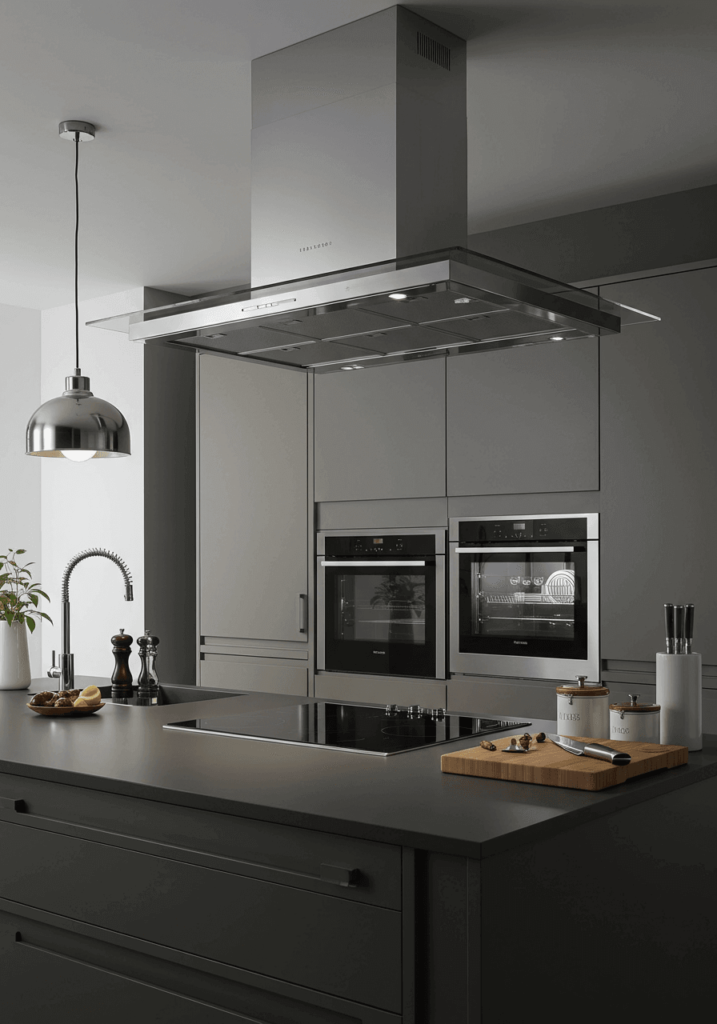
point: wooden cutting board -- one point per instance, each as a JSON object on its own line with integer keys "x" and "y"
{"x": 549, "y": 765}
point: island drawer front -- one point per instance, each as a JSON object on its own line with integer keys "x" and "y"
{"x": 278, "y": 853}
{"x": 347, "y": 949}
{"x": 53, "y": 969}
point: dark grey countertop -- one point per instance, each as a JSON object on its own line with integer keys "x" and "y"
{"x": 401, "y": 799}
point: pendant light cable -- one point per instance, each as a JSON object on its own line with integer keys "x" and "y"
{"x": 77, "y": 238}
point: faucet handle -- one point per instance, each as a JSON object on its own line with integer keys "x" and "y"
{"x": 54, "y": 671}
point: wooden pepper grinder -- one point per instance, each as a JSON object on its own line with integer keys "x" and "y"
{"x": 122, "y": 676}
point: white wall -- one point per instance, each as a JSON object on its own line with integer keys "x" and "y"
{"x": 99, "y": 503}
{"x": 19, "y": 474}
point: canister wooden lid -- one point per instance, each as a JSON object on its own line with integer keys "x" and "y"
{"x": 633, "y": 706}
{"x": 589, "y": 690}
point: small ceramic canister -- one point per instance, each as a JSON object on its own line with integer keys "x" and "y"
{"x": 632, "y": 721}
{"x": 583, "y": 710}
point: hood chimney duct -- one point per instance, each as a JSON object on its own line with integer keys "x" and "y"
{"x": 358, "y": 148}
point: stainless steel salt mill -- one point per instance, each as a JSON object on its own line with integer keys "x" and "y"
{"x": 148, "y": 681}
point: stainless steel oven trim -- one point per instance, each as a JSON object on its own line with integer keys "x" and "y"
{"x": 441, "y": 594}
{"x": 515, "y": 547}
{"x": 593, "y": 522}
{"x": 524, "y": 667}
{"x": 378, "y": 561}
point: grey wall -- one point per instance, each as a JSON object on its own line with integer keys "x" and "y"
{"x": 20, "y": 515}
{"x": 664, "y": 231}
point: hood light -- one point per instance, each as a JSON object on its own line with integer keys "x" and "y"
{"x": 398, "y": 296}
{"x": 461, "y": 301}
{"x": 557, "y": 337}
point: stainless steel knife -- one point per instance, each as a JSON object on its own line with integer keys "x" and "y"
{"x": 679, "y": 629}
{"x": 617, "y": 757}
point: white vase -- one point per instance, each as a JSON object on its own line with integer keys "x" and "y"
{"x": 14, "y": 656}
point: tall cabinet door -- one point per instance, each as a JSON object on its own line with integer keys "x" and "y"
{"x": 253, "y": 534}
{"x": 659, "y": 490}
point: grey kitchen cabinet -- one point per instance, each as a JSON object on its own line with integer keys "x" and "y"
{"x": 524, "y": 420}
{"x": 380, "y": 433}
{"x": 351, "y": 686}
{"x": 270, "y": 675}
{"x": 253, "y": 500}
{"x": 659, "y": 485}
{"x": 241, "y": 921}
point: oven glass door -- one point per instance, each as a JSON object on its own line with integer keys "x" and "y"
{"x": 530, "y": 602}
{"x": 380, "y": 617}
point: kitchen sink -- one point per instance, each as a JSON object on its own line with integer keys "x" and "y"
{"x": 168, "y": 694}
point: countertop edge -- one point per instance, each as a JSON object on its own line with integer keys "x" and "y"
{"x": 631, "y": 793}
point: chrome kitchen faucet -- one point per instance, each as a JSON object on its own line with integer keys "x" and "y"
{"x": 65, "y": 671}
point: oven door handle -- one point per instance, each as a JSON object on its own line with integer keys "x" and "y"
{"x": 371, "y": 562}
{"x": 513, "y": 551}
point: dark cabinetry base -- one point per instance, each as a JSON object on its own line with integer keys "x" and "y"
{"x": 61, "y": 970}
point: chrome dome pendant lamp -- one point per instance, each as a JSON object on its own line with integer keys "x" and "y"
{"x": 77, "y": 425}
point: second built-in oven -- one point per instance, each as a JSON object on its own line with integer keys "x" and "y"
{"x": 524, "y": 596}
{"x": 381, "y": 603}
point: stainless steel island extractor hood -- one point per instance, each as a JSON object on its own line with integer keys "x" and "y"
{"x": 359, "y": 211}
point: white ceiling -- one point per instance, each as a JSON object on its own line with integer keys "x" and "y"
{"x": 572, "y": 104}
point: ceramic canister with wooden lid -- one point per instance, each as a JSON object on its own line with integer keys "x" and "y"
{"x": 630, "y": 720}
{"x": 583, "y": 710}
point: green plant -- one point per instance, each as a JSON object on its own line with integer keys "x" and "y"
{"x": 17, "y": 593}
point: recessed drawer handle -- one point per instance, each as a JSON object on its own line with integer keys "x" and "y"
{"x": 8, "y": 804}
{"x": 348, "y": 878}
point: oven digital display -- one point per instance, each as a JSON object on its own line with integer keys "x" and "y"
{"x": 377, "y": 540}
{"x": 518, "y": 526}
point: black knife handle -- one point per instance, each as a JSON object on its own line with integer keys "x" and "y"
{"x": 679, "y": 628}
{"x": 670, "y": 628}
{"x": 689, "y": 626}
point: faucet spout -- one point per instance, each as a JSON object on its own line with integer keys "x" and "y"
{"x": 67, "y": 660}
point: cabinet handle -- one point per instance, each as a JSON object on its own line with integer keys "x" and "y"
{"x": 338, "y": 874}
{"x": 8, "y": 804}
{"x": 303, "y": 612}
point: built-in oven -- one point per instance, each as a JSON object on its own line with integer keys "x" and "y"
{"x": 525, "y": 596}
{"x": 381, "y": 602}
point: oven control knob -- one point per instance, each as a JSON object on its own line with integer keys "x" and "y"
{"x": 391, "y": 709}
{"x": 415, "y": 709}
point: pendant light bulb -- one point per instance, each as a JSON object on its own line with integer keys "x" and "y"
{"x": 75, "y": 456}
{"x": 77, "y": 426}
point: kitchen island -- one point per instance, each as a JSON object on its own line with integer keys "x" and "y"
{"x": 177, "y": 877}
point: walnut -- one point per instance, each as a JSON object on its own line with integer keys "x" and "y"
{"x": 540, "y": 737}
{"x": 63, "y": 702}
{"x": 487, "y": 745}
{"x": 524, "y": 741}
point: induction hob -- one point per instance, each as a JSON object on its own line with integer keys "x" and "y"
{"x": 359, "y": 728}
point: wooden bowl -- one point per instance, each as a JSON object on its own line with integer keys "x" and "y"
{"x": 52, "y": 712}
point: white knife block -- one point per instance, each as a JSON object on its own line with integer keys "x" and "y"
{"x": 679, "y": 694}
